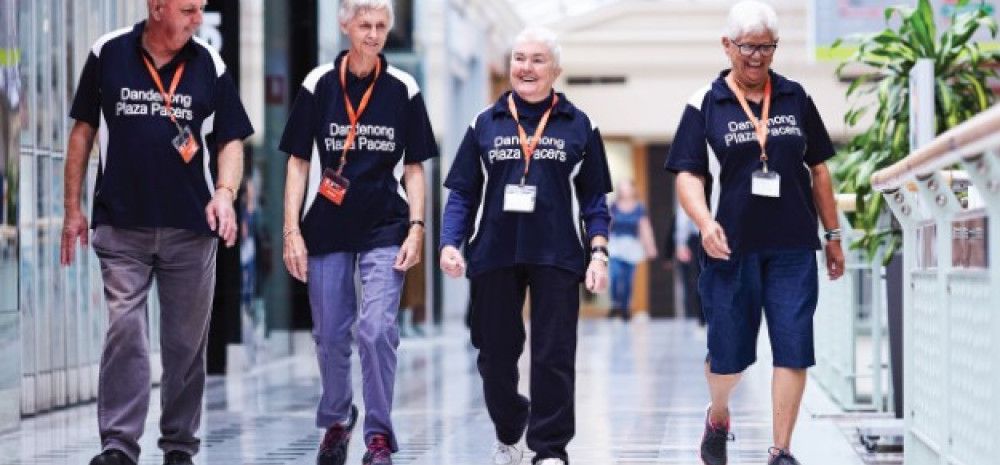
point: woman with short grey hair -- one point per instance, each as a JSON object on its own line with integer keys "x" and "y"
{"x": 516, "y": 204}
{"x": 759, "y": 136}
{"x": 357, "y": 136}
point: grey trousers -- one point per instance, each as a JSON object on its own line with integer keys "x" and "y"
{"x": 334, "y": 309}
{"x": 183, "y": 263}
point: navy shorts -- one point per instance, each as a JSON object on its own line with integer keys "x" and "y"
{"x": 783, "y": 285}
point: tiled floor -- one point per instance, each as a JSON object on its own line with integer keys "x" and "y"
{"x": 640, "y": 400}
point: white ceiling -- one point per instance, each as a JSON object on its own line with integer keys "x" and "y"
{"x": 550, "y": 11}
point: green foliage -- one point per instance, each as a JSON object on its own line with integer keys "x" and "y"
{"x": 961, "y": 92}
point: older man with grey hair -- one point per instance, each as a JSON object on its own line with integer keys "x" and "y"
{"x": 164, "y": 109}
{"x": 759, "y": 136}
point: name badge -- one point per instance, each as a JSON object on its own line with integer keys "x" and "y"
{"x": 333, "y": 186}
{"x": 186, "y": 144}
{"x": 519, "y": 199}
{"x": 766, "y": 184}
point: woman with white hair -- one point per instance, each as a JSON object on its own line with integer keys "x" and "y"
{"x": 357, "y": 135}
{"x": 749, "y": 156}
{"x": 517, "y": 204}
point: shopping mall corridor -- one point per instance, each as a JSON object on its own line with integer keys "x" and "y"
{"x": 640, "y": 400}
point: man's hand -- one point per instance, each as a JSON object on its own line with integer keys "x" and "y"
{"x": 409, "y": 252}
{"x": 834, "y": 259}
{"x": 713, "y": 238}
{"x": 452, "y": 262}
{"x": 597, "y": 276}
{"x": 221, "y": 217}
{"x": 296, "y": 256}
{"x": 74, "y": 226}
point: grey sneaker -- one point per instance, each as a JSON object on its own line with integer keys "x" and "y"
{"x": 333, "y": 449}
{"x": 714, "y": 441}
{"x": 781, "y": 457}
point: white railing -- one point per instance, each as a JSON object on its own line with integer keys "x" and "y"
{"x": 851, "y": 332}
{"x": 951, "y": 293}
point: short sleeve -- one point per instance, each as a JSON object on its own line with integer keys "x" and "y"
{"x": 231, "y": 122}
{"x": 819, "y": 147}
{"x": 87, "y": 101}
{"x": 594, "y": 177}
{"x": 689, "y": 151}
{"x": 420, "y": 143}
{"x": 465, "y": 174}
{"x": 299, "y": 135}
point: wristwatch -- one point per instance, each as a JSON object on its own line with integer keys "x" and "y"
{"x": 832, "y": 234}
{"x": 599, "y": 253}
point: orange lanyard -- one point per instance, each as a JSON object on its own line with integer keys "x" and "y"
{"x": 352, "y": 114}
{"x": 168, "y": 98}
{"x": 760, "y": 125}
{"x": 528, "y": 146}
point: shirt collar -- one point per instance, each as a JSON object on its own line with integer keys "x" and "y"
{"x": 721, "y": 91}
{"x": 563, "y": 106}
{"x": 340, "y": 57}
{"x": 186, "y": 53}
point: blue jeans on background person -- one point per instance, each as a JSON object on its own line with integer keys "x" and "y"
{"x": 621, "y": 273}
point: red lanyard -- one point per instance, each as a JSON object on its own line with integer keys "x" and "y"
{"x": 528, "y": 146}
{"x": 760, "y": 126}
{"x": 168, "y": 98}
{"x": 352, "y": 114}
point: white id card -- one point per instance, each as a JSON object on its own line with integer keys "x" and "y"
{"x": 520, "y": 199}
{"x": 766, "y": 184}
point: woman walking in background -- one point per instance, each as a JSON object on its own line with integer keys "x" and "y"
{"x": 631, "y": 243}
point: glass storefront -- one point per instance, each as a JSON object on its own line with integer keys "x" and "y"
{"x": 62, "y": 315}
{"x": 10, "y": 122}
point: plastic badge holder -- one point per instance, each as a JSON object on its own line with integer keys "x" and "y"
{"x": 186, "y": 144}
{"x": 334, "y": 186}
{"x": 766, "y": 184}
{"x": 519, "y": 199}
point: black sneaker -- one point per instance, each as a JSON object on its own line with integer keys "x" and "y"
{"x": 333, "y": 449}
{"x": 714, "y": 442}
{"x": 111, "y": 457}
{"x": 177, "y": 457}
{"x": 781, "y": 457}
{"x": 379, "y": 452}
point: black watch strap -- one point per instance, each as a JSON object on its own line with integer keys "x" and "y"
{"x": 600, "y": 249}
{"x": 420, "y": 222}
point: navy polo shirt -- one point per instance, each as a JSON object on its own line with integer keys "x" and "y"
{"x": 142, "y": 181}
{"x": 393, "y": 131}
{"x": 715, "y": 139}
{"x": 569, "y": 168}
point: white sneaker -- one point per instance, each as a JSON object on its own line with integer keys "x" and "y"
{"x": 551, "y": 462}
{"x": 504, "y": 454}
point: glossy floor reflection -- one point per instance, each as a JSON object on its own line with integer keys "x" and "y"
{"x": 640, "y": 400}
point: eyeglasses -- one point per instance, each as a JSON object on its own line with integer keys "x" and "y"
{"x": 749, "y": 49}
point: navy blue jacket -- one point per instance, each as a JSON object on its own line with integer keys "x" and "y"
{"x": 715, "y": 139}
{"x": 142, "y": 181}
{"x": 569, "y": 168}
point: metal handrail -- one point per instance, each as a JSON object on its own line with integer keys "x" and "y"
{"x": 944, "y": 150}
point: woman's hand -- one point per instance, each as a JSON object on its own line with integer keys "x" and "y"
{"x": 409, "y": 252}
{"x": 597, "y": 276}
{"x": 834, "y": 259}
{"x": 296, "y": 256}
{"x": 713, "y": 238}
{"x": 452, "y": 262}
